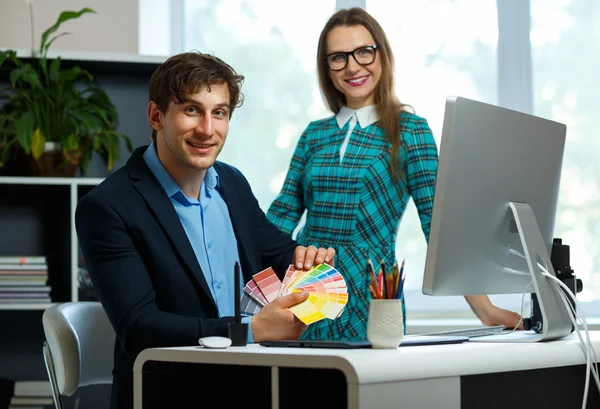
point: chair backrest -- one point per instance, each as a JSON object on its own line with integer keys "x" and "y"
{"x": 81, "y": 342}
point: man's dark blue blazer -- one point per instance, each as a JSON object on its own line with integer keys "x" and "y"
{"x": 143, "y": 267}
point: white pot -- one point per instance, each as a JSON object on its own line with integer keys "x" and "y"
{"x": 52, "y": 146}
{"x": 385, "y": 326}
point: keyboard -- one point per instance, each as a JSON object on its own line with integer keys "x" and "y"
{"x": 472, "y": 332}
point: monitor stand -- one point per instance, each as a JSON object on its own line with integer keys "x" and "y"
{"x": 555, "y": 317}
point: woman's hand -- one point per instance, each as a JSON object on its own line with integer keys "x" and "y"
{"x": 491, "y": 315}
{"x": 308, "y": 257}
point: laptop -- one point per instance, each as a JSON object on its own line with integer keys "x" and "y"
{"x": 408, "y": 340}
{"x": 471, "y": 332}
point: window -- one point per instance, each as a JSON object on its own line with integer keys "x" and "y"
{"x": 154, "y": 27}
{"x": 565, "y": 58}
{"x": 441, "y": 48}
{"x": 274, "y": 45}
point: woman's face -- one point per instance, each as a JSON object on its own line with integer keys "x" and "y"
{"x": 357, "y": 82}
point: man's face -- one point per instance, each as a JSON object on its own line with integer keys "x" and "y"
{"x": 191, "y": 134}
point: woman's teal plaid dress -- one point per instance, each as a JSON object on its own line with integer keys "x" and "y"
{"x": 355, "y": 206}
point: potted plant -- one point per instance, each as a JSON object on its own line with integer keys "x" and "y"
{"x": 54, "y": 116}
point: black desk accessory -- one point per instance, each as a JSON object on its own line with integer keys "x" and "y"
{"x": 238, "y": 331}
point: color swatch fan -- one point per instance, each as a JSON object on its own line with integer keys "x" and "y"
{"x": 328, "y": 294}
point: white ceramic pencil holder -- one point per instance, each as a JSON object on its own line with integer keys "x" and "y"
{"x": 385, "y": 326}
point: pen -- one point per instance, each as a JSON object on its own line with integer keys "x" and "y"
{"x": 401, "y": 281}
{"x": 236, "y": 292}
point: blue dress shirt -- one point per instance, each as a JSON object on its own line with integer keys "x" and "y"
{"x": 209, "y": 230}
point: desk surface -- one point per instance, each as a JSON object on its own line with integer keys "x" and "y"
{"x": 366, "y": 366}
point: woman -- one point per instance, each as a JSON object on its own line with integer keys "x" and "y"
{"x": 356, "y": 171}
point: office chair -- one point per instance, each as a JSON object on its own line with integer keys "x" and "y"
{"x": 78, "y": 350}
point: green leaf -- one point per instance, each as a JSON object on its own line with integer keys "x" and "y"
{"x": 10, "y": 55}
{"x": 75, "y": 73}
{"x": 54, "y": 73}
{"x": 37, "y": 143}
{"x": 28, "y": 74}
{"x": 97, "y": 143}
{"x": 64, "y": 16}
{"x": 108, "y": 142}
{"x": 86, "y": 159}
{"x": 3, "y": 56}
{"x": 89, "y": 121}
{"x": 25, "y": 125}
{"x": 101, "y": 113}
{"x": 71, "y": 143}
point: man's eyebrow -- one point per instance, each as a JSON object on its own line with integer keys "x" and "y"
{"x": 193, "y": 101}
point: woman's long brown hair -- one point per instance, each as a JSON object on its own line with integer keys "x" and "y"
{"x": 387, "y": 105}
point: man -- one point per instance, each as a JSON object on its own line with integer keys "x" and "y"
{"x": 162, "y": 234}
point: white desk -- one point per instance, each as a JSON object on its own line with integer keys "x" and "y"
{"x": 412, "y": 377}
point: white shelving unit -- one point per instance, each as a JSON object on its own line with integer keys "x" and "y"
{"x": 125, "y": 78}
{"x": 97, "y": 56}
{"x": 37, "y": 215}
{"x": 25, "y": 306}
{"x": 76, "y": 188}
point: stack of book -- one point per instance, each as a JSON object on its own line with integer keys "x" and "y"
{"x": 24, "y": 280}
{"x": 31, "y": 395}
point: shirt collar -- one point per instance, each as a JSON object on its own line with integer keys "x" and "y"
{"x": 211, "y": 179}
{"x": 366, "y": 116}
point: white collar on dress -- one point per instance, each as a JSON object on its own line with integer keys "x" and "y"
{"x": 366, "y": 116}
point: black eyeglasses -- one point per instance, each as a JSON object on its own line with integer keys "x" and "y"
{"x": 363, "y": 56}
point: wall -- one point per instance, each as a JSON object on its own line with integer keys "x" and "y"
{"x": 113, "y": 28}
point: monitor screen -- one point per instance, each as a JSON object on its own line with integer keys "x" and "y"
{"x": 489, "y": 157}
{"x": 497, "y": 188}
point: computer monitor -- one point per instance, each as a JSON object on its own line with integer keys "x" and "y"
{"x": 494, "y": 208}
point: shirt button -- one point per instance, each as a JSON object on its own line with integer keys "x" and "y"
{"x": 218, "y": 286}
{"x": 210, "y": 245}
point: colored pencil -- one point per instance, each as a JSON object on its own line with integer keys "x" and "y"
{"x": 389, "y": 280}
{"x": 386, "y": 284}
{"x": 373, "y": 286}
{"x": 380, "y": 284}
{"x": 395, "y": 279}
{"x": 386, "y": 280}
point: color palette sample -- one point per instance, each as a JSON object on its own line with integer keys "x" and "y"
{"x": 328, "y": 294}
{"x": 268, "y": 283}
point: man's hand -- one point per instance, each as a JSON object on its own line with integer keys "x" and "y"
{"x": 275, "y": 321}
{"x": 491, "y": 315}
{"x": 307, "y": 257}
